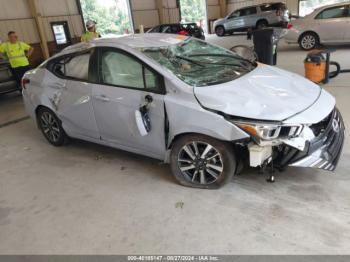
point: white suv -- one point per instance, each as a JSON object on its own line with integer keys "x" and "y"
{"x": 326, "y": 25}
{"x": 259, "y": 16}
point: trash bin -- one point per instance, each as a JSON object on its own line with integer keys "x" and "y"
{"x": 265, "y": 45}
{"x": 315, "y": 66}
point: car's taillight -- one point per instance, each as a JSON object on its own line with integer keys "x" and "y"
{"x": 289, "y": 26}
{"x": 25, "y": 81}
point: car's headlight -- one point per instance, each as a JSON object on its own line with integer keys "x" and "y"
{"x": 270, "y": 131}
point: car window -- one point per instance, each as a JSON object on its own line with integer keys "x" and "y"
{"x": 334, "y": 12}
{"x": 166, "y": 29}
{"x": 235, "y": 14}
{"x": 74, "y": 66}
{"x": 78, "y": 67}
{"x": 175, "y": 29}
{"x": 265, "y": 8}
{"x": 248, "y": 11}
{"x": 150, "y": 80}
{"x": 272, "y": 7}
{"x": 122, "y": 70}
{"x": 154, "y": 30}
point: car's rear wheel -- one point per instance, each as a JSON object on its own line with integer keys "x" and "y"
{"x": 202, "y": 162}
{"x": 51, "y": 127}
{"x": 220, "y": 31}
{"x": 261, "y": 24}
{"x": 309, "y": 41}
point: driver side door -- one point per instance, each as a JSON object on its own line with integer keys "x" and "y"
{"x": 125, "y": 83}
{"x": 234, "y": 21}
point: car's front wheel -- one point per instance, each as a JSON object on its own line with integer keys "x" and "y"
{"x": 202, "y": 162}
{"x": 309, "y": 41}
{"x": 220, "y": 31}
{"x": 51, "y": 128}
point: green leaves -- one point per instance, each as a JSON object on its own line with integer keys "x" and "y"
{"x": 111, "y": 19}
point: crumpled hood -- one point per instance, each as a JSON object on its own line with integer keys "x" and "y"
{"x": 266, "y": 93}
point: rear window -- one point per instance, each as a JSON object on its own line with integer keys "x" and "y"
{"x": 75, "y": 66}
{"x": 273, "y": 7}
{"x": 248, "y": 11}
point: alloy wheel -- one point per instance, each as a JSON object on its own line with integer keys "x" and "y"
{"x": 308, "y": 42}
{"x": 50, "y": 127}
{"x": 200, "y": 163}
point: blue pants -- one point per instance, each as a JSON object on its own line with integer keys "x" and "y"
{"x": 19, "y": 72}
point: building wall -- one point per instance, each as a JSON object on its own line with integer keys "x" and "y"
{"x": 171, "y": 12}
{"x": 15, "y": 15}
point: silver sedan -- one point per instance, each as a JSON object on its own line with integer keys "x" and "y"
{"x": 197, "y": 106}
{"x": 326, "y": 25}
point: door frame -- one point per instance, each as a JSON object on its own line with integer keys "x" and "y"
{"x": 96, "y": 75}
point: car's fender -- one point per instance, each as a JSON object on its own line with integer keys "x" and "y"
{"x": 185, "y": 115}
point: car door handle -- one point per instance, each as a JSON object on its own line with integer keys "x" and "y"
{"x": 102, "y": 98}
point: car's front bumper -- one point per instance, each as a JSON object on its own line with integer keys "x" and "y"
{"x": 324, "y": 151}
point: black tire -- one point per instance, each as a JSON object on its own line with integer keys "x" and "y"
{"x": 51, "y": 127}
{"x": 309, "y": 41}
{"x": 221, "y": 156}
{"x": 261, "y": 24}
{"x": 220, "y": 31}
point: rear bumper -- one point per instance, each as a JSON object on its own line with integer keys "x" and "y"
{"x": 325, "y": 150}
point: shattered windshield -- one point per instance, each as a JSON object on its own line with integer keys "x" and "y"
{"x": 198, "y": 63}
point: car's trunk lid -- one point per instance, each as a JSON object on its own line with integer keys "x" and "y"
{"x": 266, "y": 93}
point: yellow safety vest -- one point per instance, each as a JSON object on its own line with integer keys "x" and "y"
{"x": 89, "y": 36}
{"x": 16, "y": 53}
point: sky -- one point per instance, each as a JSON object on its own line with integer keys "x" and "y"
{"x": 110, "y": 3}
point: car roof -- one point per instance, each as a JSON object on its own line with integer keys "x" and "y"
{"x": 134, "y": 41}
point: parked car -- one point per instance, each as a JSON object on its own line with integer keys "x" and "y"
{"x": 189, "y": 29}
{"x": 199, "y": 107}
{"x": 259, "y": 16}
{"x": 7, "y": 81}
{"x": 326, "y": 25}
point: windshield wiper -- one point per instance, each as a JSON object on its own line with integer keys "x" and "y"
{"x": 224, "y": 55}
{"x": 190, "y": 60}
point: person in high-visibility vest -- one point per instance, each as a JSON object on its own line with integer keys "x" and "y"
{"x": 17, "y": 53}
{"x": 91, "y": 33}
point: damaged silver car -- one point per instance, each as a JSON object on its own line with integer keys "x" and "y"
{"x": 199, "y": 107}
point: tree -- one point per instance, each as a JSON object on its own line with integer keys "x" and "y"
{"x": 110, "y": 20}
{"x": 192, "y": 10}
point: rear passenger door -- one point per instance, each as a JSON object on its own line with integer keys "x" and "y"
{"x": 249, "y": 16}
{"x": 71, "y": 92}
